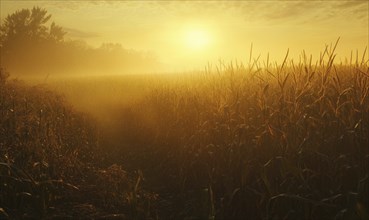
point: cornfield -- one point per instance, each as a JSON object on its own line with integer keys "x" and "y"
{"x": 237, "y": 141}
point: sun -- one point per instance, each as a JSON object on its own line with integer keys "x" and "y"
{"x": 197, "y": 39}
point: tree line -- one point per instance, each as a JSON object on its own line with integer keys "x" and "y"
{"x": 30, "y": 43}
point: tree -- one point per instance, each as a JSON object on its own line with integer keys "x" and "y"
{"x": 56, "y": 32}
{"x": 27, "y": 40}
{"x": 31, "y": 44}
{"x": 28, "y": 26}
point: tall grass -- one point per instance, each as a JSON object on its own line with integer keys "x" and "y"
{"x": 51, "y": 165}
{"x": 258, "y": 141}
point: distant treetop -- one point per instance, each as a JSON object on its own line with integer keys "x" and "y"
{"x": 28, "y": 25}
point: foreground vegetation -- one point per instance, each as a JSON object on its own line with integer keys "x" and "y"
{"x": 256, "y": 141}
{"x": 51, "y": 165}
{"x": 286, "y": 141}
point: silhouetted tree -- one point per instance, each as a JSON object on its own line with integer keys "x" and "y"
{"x": 31, "y": 44}
{"x": 28, "y": 26}
{"x": 27, "y": 39}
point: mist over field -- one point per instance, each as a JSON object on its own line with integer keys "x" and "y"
{"x": 184, "y": 110}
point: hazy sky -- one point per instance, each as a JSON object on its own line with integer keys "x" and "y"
{"x": 186, "y": 35}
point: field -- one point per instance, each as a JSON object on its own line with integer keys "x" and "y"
{"x": 255, "y": 140}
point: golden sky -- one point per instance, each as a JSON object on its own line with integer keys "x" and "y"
{"x": 187, "y": 34}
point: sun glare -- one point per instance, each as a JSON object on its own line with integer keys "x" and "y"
{"x": 197, "y": 39}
